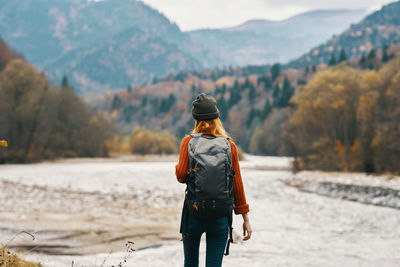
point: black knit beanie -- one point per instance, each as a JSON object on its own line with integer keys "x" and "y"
{"x": 205, "y": 108}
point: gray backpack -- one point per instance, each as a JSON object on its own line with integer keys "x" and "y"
{"x": 210, "y": 179}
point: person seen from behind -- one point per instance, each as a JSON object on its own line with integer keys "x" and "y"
{"x": 209, "y": 165}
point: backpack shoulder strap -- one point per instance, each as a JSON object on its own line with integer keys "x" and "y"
{"x": 193, "y": 142}
{"x": 229, "y": 150}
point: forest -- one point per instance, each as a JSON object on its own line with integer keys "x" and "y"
{"x": 347, "y": 119}
{"x": 343, "y": 116}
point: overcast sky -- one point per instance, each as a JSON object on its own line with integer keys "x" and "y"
{"x": 195, "y": 14}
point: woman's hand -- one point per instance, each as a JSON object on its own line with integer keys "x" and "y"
{"x": 246, "y": 227}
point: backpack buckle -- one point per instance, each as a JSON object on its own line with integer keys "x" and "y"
{"x": 195, "y": 206}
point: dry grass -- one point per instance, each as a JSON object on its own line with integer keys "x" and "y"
{"x": 8, "y": 259}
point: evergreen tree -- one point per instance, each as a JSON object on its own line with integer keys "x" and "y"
{"x": 129, "y": 88}
{"x": 385, "y": 56}
{"x": 167, "y": 103}
{"x": 362, "y": 60}
{"x": 144, "y": 101}
{"x": 275, "y": 71}
{"x": 332, "y": 60}
{"x": 252, "y": 116}
{"x": 275, "y": 95}
{"x": 314, "y": 68}
{"x": 305, "y": 71}
{"x": 286, "y": 93}
{"x": 64, "y": 82}
{"x": 252, "y": 93}
{"x": 235, "y": 96}
{"x": 342, "y": 56}
{"x": 223, "y": 89}
{"x": 371, "y": 66}
{"x": 223, "y": 108}
{"x": 247, "y": 83}
{"x": 236, "y": 84}
{"x": 276, "y": 91}
{"x": 301, "y": 82}
{"x": 371, "y": 54}
{"x": 266, "y": 110}
{"x": 128, "y": 112}
{"x": 116, "y": 103}
{"x": 267, "y": 83}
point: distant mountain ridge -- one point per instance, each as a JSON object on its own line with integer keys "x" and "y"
{"x": 258, "y": 42}
{"x": 377, "y": 30}
{"x": 322, "y": 15}
{"x": 106, "y": 45}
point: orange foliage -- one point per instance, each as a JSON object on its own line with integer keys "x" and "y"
{"x": 340, "y": 148}
{"x": 3, "y": 143}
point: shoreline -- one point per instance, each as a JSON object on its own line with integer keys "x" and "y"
{"x": 90, "y": 210}
{"x": 379, "y": 190}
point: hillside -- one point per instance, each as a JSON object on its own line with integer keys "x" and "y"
{"x": 59, "y": 35}
{"x": 40, "y": 120}
{"x": 261, "y": 41}
{"x": 6, "y": 54}
{"x": 380, "y": 29}
{"x": 253, "y": 100}
{"x": 131, "y": 56}
{"x": 46, "y": 29}
{"x": 91, "y": 42}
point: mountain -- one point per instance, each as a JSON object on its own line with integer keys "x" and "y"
{"x": 90, "y": 41}
{"x": 263, "y": 41}
{"x": 376, "y": 31}
{"x": 249, "y": 98}
{"x": 106, "y": 45}
{"x": 131, "y": 56}
{"x": 6, "y": 54}
{"x": 46, "y": 29}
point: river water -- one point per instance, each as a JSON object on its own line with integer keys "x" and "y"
{"x": 116, "y": 201}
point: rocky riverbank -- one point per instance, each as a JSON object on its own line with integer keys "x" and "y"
{"x": 382, "y": 190}
{"x": 86, "y": 212}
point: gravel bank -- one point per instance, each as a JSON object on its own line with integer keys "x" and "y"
{"x": 382, "y": 190}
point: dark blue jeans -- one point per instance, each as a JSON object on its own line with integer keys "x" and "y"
{"x": 216, "y": 236}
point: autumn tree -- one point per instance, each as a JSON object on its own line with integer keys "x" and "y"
{"x": 325, "y": 121}
{"x": 6, "y": 55}
{"x": 144, "y": 141}
{"x": 22, "y": 91}
{"x": 347, "y": 120}
{"x": 44, "y": 121}
{"x": 267, "y": 138}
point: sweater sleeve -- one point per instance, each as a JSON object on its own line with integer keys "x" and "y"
{"x": 182, "y": 168}
{"x": 241, "y": 206}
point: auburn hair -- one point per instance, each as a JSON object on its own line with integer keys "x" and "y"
{"x": 213, "y": 127}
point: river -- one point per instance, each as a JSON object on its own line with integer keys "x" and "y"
{"x": 85, "y": 210}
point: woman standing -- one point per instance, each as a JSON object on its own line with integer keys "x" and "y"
{"x": 208, "y": 126}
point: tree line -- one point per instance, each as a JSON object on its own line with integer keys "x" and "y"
{"x": 347, "y": 119}
{"x": 44, "y": 121}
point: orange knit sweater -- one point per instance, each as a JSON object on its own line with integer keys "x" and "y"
{"x": 182, "y": 169}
